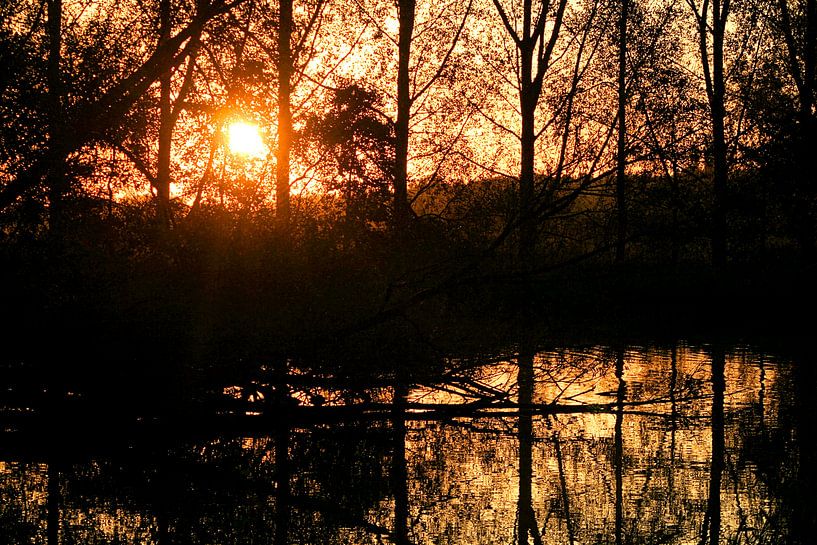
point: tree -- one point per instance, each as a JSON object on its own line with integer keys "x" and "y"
{"x": 621, "y": 153}
{"x": 663, "y": 118}
{"x": 284, "y": 113}
{"x": 711, "y": 18}
{"x": 406, "y": 13}
{"x": 360, "y": 142}
{"x": 57, "y": 136}
{"x": 535, "y": 42}
{"x": 165, "y": 123}
{"x": 292, "y": 61}
{"x": 534, "y": 31}
{"x": 169, "y": 113}
{"x": 426, "y": 40}
{"x": 101, "y": 98}
{"x": 797, "y": 23}
{"x": 169, "y": 110}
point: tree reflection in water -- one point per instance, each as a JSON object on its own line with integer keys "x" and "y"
{"x": 635, "y": 445}
{"x": 618, "y": 455}
{"x": 527, "y": 526}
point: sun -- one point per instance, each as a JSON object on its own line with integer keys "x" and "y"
{"x": 245, "y": 139}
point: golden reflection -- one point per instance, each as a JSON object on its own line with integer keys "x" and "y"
{"x": 462, "y": 473}
{"x": 664, "y": 464}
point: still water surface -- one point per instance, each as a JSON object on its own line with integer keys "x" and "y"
{"x": 644, "y": 445}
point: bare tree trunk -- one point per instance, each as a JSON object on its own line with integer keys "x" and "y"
{"x": 401, "y": 210}
{"x": 810, "y": 128}
{"x": 284, "y": 113}
{"x": 720, "y": 174}
{"x": 801, "y": 45}
{"x": 527, "y": 235}
{"x": 714, "y": 78}
{"x": 165, "y": 126}
{"x": 56, "y": 163}
{"x": 534, "y": 49}
{"x": 676, "y": 206}
{"x": 528, "y": 99}
{"x": 808, "y": 139}
{"x": 621, "y": 158}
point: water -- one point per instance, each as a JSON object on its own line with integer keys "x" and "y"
{"x": 645, "y": 445}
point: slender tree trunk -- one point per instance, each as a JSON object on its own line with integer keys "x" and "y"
{"x": 165, "y": 126}
{"x": 621, "y": 157}
{"x": 529, "y": 91}
{"x": 720, "y": 174}
{"x": 808, "y": 139}
{"x": 527, "y": 234}
{"x": 801, "y": 45}
{"x": 284, "y": 113}
{"x": 56, "y": 179}
{"x": 535, "y": 42}
{"x": 676, "y": 207}
{"x": 804, "y": 215}
{"x": 54, "y": 73}
{"x": 401, "y": 210}
{"x": 528, "y": 99}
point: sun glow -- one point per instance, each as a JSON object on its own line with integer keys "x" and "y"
{"x": 245, "y": 139}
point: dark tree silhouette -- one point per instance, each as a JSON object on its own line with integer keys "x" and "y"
{"x": 711, "y": 19}
{"x": 621, "y": 151}
{"x": 360, "y": 141}
{"x": 284, "y": 113}
{"x": 535, "y": 41}
{"x": 91, "y": 117}
{"x": 797, "y": 22}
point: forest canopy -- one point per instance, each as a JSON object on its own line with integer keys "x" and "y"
{"x": 373, "y": 112}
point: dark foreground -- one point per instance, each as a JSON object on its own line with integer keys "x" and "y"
{"x": 674, "y": 443}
